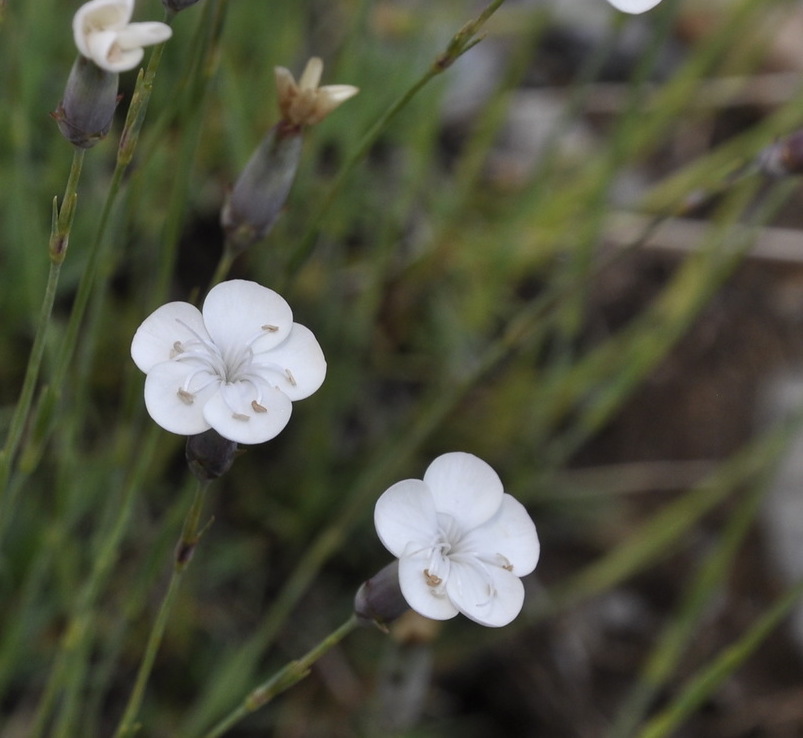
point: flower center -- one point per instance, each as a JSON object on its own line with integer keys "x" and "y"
{"x": 233, "y": 368}
{"x": 449, "y": 549}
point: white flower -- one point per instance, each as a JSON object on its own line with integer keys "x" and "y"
{"x": 462, "y": 543}
{"x": 236, "y": 367}
{"x": 103, "y": 34}
{"x": 305, "y": 103}
{"x": 634, "y": 6}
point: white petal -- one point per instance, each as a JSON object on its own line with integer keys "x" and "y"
{"x": 231, "y": 413}
{"x": 154, "y": 340}
{"x": 121, "y": 60}
{"x": 311, "y": 75}
{"x": 99, "y": 47}
{"x": 297, "y": 366}
{"x": 507, "y": 539}
{"x": 419, "y": 595}
{"x": 137, "y": 35}
{"x": 488, "y": 595}
{"x": 465, "y": 487}
{"x": 406, "y": 512}
{"x": 336, "y": 94}
{"x": 634, "y": 6}
{"x": 99, "y": 15}
{"x": 167, "y": 408}
{"x": 237, "y": 312}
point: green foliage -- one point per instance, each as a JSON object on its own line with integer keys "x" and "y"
{"x": 454, "y": 309}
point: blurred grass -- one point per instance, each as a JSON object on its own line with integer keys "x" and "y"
{"x": 452, "y": 311}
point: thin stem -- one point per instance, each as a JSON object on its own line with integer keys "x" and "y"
{"x": 125, "y": 152}
{"x": 190, "y": 535}
{"x": 282, "y": 680}
{"x": 59, "y": 241}
{"x": 223, "y": 267}
{"x": 460, "y": 43}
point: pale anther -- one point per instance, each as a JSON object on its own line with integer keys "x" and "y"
{"x": 290, "y": 377}
{"x": 270, "y": 328}
{"x": 186, "y": 397}
{"x": 257, "y": 407}
{"x": 240, "y": 416}
{"x": 432, "y": 579}
{"x": 177, "y": 349}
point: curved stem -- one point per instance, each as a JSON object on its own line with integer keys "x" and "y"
{"x": 282, "y": 680}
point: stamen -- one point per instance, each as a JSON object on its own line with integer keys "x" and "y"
{"x": 257, "y": 407}
{"x": 186, "y": 397}
{"x": 270, "y": 328}
{"x": 240, "y": 416}
{"x": 177, "y": 349}
{"x": 290, "y": 377}
{"x": 432, "y": 579}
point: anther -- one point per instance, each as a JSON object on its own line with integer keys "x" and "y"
{"x": 186, "y": 397}
{"x": 240, "y": 416}
{"x": 432, "y": 579}
{"x": 177, "y": 349}
{"x": 290, "y": 377}
{"x": 257, "y": 407}
{"x": 270, "y": 328}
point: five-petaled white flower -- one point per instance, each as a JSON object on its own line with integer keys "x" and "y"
{"x": 103, "y": 34}
{"x": 236, "y": 367}
{"x": 634, "y": 6}
{"x": 305, "y": 103}
{"x": 462, "y": 543}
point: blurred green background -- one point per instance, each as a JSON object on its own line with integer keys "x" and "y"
{"x": 555, "y": 256}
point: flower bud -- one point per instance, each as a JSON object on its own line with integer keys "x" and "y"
{"x": 379, "y": 600}
{"x": 260, "y": 192}
{"x": 85, "y": 114}
{"x": 784, "y": 157}
{"x": 209, "y": 455}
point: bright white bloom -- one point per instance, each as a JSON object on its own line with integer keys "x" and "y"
{"x": 305, "y": 103}
{"x": 235, "y": 367}
{"x": 462, "y": 543}
{"x": 103, "y": 34}
{"x": 634, "y": 6}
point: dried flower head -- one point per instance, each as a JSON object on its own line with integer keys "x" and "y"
{"x": 305, "y": 103}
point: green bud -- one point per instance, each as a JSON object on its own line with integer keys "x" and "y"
{"x": 209, "y": 455}
{"x": 260, "y": 192}
{"x": 379, "y": 600}
{"x": 85, "y": 114}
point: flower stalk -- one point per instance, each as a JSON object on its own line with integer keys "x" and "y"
{"x": 59, "y": 240}
{"x": 190, "y": 536}
{"x": 283, "y": 679}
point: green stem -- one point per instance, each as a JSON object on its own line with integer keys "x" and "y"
{"x": 283, "y": 679}
{"x": 59, "y": 241}
{"x": 190, "y": 535}
{"x": 460, "y": 43}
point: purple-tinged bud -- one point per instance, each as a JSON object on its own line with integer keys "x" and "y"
{"x": 784, "y": 157}
{"x": 209, "y": 455}
{"x": 379, "y": 601}
{"x": 85, "y": 114}
{"x": 261, "y": 191}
